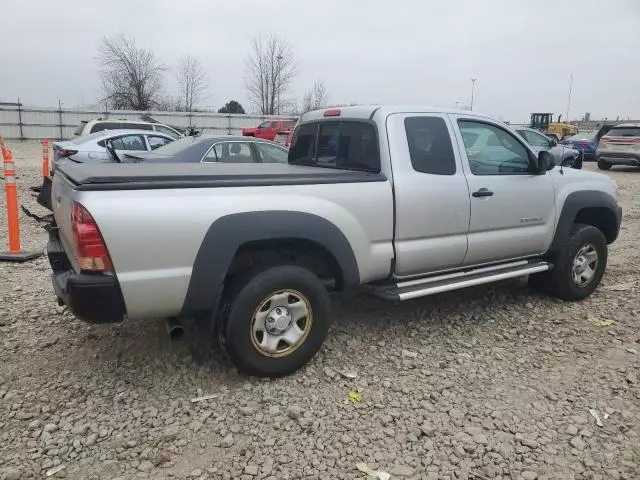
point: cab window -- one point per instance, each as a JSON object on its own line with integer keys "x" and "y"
{"x": 347, "y": 145}
{"x": 492, "y": 150}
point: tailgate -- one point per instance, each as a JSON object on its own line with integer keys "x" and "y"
{"x": 62, "y": 193}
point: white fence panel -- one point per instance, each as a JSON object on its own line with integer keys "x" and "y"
{"x": 36, "y": 122}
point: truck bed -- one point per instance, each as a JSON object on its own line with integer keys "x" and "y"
{"x": 141, "y": 176}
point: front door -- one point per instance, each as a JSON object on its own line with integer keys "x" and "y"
{"x": 431, "y": 194}
{"x": 512, "y": 209}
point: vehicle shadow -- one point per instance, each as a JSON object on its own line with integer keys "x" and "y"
{"x": 136, "y": 345}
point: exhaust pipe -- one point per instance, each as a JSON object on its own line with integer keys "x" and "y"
{"x": 175, "y": 328}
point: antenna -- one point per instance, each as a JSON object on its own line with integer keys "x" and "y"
{"x": 566, "y": 120}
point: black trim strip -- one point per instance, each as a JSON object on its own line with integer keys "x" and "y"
{"x": 155, "y": 183}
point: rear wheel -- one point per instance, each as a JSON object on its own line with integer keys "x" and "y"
{"x": 602, "y": 165}
{"x": 569, "y": 162}
{"x": 275, "y": 320}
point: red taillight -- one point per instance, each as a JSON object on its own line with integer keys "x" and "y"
{"x": 332, "y": 112}
{"x": 65, "y": 152}
{"x": 90, "y": 250}
{"x": 584, "y": 143}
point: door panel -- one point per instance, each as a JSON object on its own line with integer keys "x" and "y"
{"x": 512, "y": 210}
{"x": 431, "y": 194}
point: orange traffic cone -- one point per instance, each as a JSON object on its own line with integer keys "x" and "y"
{"x": 15, "y": 253}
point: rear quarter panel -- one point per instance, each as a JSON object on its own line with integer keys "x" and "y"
{"x": 153, "y": 236}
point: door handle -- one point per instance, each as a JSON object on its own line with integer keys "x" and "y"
{"x": 483, "y": 192}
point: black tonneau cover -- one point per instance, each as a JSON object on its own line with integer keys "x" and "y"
{"x": 142, "y": 176}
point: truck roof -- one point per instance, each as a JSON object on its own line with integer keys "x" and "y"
{"x": 367, "y": 111}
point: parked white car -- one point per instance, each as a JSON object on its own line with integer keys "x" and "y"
{"x": 99, "y": 125}
{"x": 93, "y": 148}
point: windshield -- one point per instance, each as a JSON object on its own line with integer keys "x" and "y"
{"x": 534, "y": 138}
{"x": 177, "y": 146}
{"x": 590, "y": 136}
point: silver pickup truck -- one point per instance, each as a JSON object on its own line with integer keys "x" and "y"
{"x": 409, "y": 200}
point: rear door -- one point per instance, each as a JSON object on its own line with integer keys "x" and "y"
{"x": 263, "y": 130}
{"x": 512, "y": 209}
{"x": 431, "y": 194}
{"x": 133, "y": 143}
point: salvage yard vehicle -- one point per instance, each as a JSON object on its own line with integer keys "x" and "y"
{"x": 222, "y": 149}
{"x": 269, "y": 129}
{"x": 563, "y": 155}
{"x": 586, "y": 142}
{"x": 620, "y": 146}
{"x": 411, "y": 201}
{"x": 93, "y": 148}
{"x": 99, "y": 125}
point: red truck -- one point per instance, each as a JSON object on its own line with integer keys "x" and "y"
{"x": 269, "y": 129}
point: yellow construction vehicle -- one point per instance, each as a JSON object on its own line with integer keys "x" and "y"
{"x": 559, "y": 130}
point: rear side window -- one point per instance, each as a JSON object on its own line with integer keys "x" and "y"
{"x": 346, "y": 145}
{"x": 99, "y": 127}
{"x": 303, "y": 143}
{"x": 624, "y": 132}
{"x": 430, "y": 146}
{"x": 137, "y": 126}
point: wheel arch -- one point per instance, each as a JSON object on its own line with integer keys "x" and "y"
{"x": 271, "y": 231}
{"x": 591, "y": 207}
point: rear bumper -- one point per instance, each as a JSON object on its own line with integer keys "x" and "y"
{"x": 632, "y": 159}
{"x": 92, "y": 297}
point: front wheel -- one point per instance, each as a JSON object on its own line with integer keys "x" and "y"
{"x": 580, "y": 265}
{"x": 602, "y": 165}
{"x": 275, "y": 320}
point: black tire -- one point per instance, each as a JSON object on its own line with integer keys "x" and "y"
{"x": 602, "y": 165}
{"x": 578, "y": 163}
{"x": 561, "y": 279}
{"x": 569, "y": 162}
{"x": 248, "y": 294}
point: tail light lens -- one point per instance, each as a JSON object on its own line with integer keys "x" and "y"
{"x": 65, "y": 152}
{"x": 91, "y": 251}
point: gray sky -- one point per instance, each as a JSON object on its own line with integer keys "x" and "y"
{"x": 367, "y": 51}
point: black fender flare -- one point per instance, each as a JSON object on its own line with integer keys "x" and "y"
{"x": 578, "y": 201}
{"x": 227, "y": 234}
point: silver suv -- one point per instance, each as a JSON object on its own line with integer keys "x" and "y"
{"x": 620, "y": 146}
{"x": 99, "y": 125}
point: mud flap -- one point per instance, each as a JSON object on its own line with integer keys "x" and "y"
{"x": 44, "y": 197}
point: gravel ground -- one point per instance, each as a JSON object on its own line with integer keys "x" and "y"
{"x": 491, "y": 382}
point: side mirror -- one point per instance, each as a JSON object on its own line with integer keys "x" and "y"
{"x": 553, "y": 142}
{"x": 546, "y": 162}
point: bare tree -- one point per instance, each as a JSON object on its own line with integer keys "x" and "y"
{"x": 131, "y": 76}
{"x": 192, "y": 81}
{"x": 269, "y": 70}
{"x": 315, "y": 98}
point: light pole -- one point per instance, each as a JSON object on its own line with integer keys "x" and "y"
{"x": 473, "y": 85}
{"x": 279, "y": 58}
